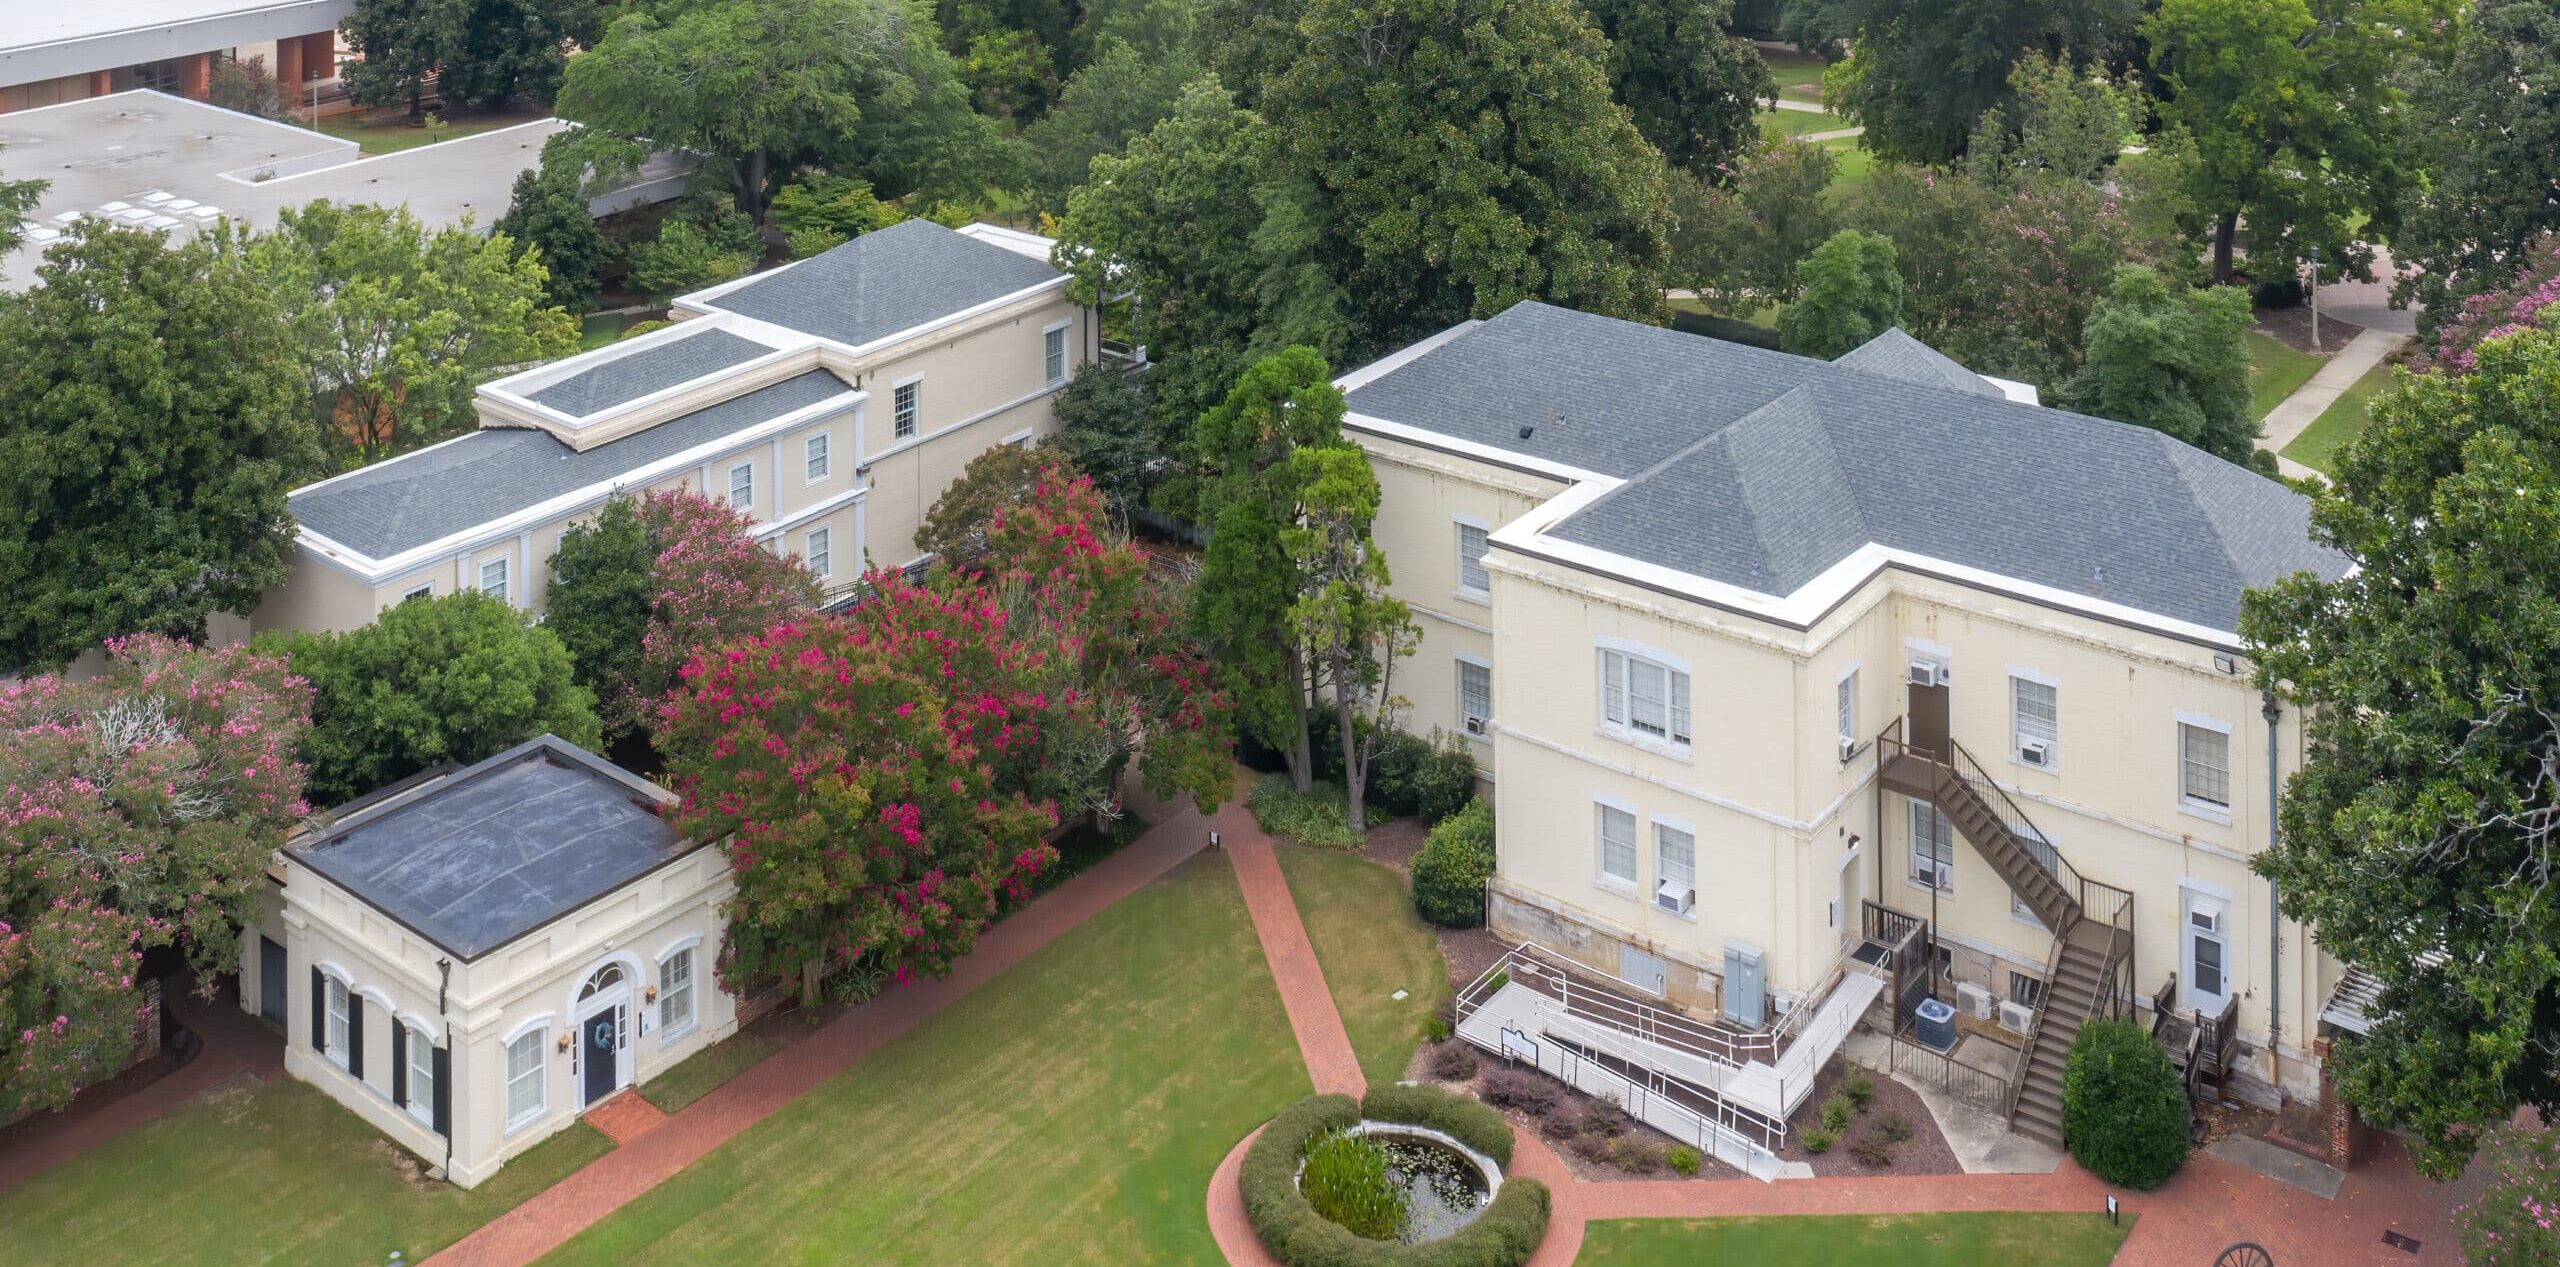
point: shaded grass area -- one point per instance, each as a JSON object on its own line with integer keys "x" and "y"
{"x": 1966, "y": 1239}
{"x": 701, "y": 1073}
{"x": 2317, "y": 447}
{"x": 2276, "y": 371}
{"x": 1799, "y": 76}
{"x": 1370, "y": 944}
{"x": 1070, "y": 1111}
{"x": 275, "y": 1172}
{"x": 1793, "y": 123}
{"x": 597, "y": 329}
{"x": 1856, "y": 164}
{"x": 390, "y": 133}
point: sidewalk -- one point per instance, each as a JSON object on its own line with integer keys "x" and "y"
{"x": 233, "y": 1044}
{"x": 2287, "y": 421}
{"x": 566, "y": 1208}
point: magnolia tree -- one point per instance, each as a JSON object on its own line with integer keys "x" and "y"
{"x": 857, "y": 793}
{"x": 139, "y": 809}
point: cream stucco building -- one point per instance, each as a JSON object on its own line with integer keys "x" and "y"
{"x": 472, "y": 960}
{"x": 832, "y": 400}
{"x": 1752, "y": 646}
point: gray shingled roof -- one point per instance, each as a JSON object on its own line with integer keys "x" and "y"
{"x": 886, "y": 281}
{"x": 486, "y": 854}
{"x": 433, "y": 493}
{"x": 1895, "y": 354}
{"x": 1761, "y": 470}
{"x": 635, "y": 374}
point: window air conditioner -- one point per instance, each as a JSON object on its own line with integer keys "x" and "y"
{"x": 1477, "y": 726}
{"x": 2034, "y": 752}
{"x": 1675, "y": 897}
{"x": 1928, "y": 673}
{"x": 1848, "y": 747}
{"x": 2016, "y": 1017}
{"x": 1975, "y": 1000}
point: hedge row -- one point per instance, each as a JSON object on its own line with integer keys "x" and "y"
{"x": 1503, "y": 1236}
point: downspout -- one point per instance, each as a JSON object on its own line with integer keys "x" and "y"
{"x": 2275, "y": 928}
{"x": 444, "y": 982}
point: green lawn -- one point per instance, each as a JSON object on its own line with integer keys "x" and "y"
{"x": 701, "y": 1073}
{"x": 2318, "y": 444}
{"x": 276, "y": 1173}
{"x": 1070, "y": 1111}
{"x": 1371, "y": 945}
{"x": 392, "y": 132}
{"x": 1856, "y": 164}
{"x": 1912, "y": 1240}
{"x": 2275, "y": 370}
{"x": 1792, "y": 123}
{"x": 597, "y": 329}
{"x": 1798, "y": 75}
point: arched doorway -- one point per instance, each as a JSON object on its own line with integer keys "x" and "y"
{"x": 604, "y": 1033}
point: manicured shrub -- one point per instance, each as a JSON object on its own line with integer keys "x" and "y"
{"x": 1599, "y": 1117}
{"x": 1635, "y": 1154}
{"x": 1895, "y": 1129}
{"x": 1591, "y": 1146}
{"x": 1819, "y": 1140}
{"x": 1835, "y": 1113}
{"x": 1436, "y": 1029}
{"x": 1858, "y": 1087}
{"x": 1872, "y": 1150}
{"x": 1520, "y": 1090}
{"x": 1456, "y": 1116}
{"x": 1345, "y": 1179}
{"x": 1683, "y": 1160}
{"x": 1313, "y": 817}
{"x": 2124, "y": 1111}
{"x": 1444, "y": 777}
{"x": 1449, "y": 874}
{"x": 2516, "y": 1219}
{"x": 1504, "y": 1235}
{"x": 1453, "y": 1062}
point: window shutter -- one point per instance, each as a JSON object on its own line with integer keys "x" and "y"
{"x": 399, "y": 1063}
{"x": 444, "y": 1092}
{"x": 355, "y": 1035}
{"x": 319, "y": 1011}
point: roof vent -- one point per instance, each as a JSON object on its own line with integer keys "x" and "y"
{"x": 1526, "y": 428}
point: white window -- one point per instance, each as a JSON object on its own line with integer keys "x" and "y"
{"x": 1475, "y": 698}
{"x": 1617, "y": 847}
{"x": 1933, "y": 847}
{"x": 742, "y": 486}
{"x": 493, "y": 579}
{"x": 2034, "y": 722}
{"x": 675, "y": 993}
{"x": 422, "y": 1075}
{"x": 2208, "y": 971}
{"x": 2024, "y": 990}
{"x": 423, "y": 591}
{"x": 2204, "y": 762}
{"x": 814, "y": 462}
{"x": 524, "y": 1077}
{"x": 1643, "y": 697}
{"x": 1675, "y": 868}
{"x": 1053, "y": 353}
{"x": 1472, "y": 580}
{"x": 1847, "y": 706}
{"x": 341, "y": 1022}
{"x": 818, "y": 557}
{"x": 906, "y": 404}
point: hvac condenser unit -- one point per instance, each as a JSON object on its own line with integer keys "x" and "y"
{"x": 1975, "y": 1000}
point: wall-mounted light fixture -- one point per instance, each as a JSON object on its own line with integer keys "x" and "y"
{"x": 565, "y": 1040}
{"x": 650, "y": 994}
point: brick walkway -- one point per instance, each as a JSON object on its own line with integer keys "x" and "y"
{"x": 2208, "y": 1205}
{"x": 626, "y": 1117}
{"x": 566, "y": 1208}
{"x": 233, "y": 1044}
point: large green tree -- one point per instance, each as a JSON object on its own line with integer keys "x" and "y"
{"x": 1693, "y": 90}
{"x": 1352, "y": 629}
{"x": 2295, "y": 113}
{"x": 1738, "y": 242}
{"x": 482, "y": 52}
{"x": 2485, "y": 127}
{"x": 1113, "y": 100}
{"x": 398, "y": 323}
{"x": 453, "y": 678}
{"x": 1110, "y": 428}
{"x": 2174, "y": 362}
{"x": 2418, "y": 836}
{"x": 548, "y": 215}
{"x": 1450, "y": 158}
{"x": 2059, "y": 120}
{"x": 760, "y": 89}
{"x": 17, "y": 202}
{"x": 1924, "y": 71}
{"x": 1850, "y": 292}
{"x": 153, "y": 412}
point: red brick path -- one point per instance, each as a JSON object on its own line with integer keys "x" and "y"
{"x": 626, "y": 1117}
{"x": 566, "y": 1208}
{"x": 233, "y": 1044}
{"x": 2210, "y": 1204}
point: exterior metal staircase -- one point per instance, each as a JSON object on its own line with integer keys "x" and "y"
{"x": 2089, "y": 972}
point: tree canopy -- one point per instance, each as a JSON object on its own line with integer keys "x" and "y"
{"x": 1693, "y": 90}
{"x": 482, "y": 52}
{"x": 1850, "y": 291}
{"x": 2485, "y": 128}
{"x": 1923, "y": 72}
{"x": 2417, "y": 836}
{"x": 548, "y": 215}
{"x": 1738, "y": 242}
{"x": 2174, "y": 362}
{"x": 153, "y": 412}
{"x": 452, "y": 678}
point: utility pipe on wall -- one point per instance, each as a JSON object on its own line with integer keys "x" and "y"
{"x": 2275, "y": 929}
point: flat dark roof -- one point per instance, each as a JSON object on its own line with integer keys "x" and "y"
{"x": 482, "y": 856}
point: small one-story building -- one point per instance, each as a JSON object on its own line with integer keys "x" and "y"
{"x": 473, "y": 960}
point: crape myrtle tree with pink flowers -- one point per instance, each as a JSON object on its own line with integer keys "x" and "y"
{"x": 137, "y": 809}
{"x": 2531, "y": 301}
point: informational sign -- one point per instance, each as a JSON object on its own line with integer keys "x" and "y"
{"x": 1518, "y": 1045}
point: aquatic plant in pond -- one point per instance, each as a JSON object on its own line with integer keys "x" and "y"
{"x": 1442, "y": 1190}
{"x": 1346, "y": 1180}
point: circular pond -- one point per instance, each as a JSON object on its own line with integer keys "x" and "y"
{"x": 1445, "y": 1183}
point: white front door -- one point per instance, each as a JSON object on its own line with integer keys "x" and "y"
{"x": 2205, "y": 955}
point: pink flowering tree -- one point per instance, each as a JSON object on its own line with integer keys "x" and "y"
{"x": 857, "y": 789}
{"x": 137, "y": 809}
{"x": 2515, "y": 1221}
{"x": 2530, "y": 302}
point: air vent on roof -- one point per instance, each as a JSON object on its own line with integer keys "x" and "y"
{"x": 1526, "y": 428}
